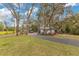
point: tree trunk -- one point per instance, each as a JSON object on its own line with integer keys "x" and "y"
{"x": 16, "y": 27}
{"x": 27, "y": 29}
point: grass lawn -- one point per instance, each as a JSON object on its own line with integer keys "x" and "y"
{"x": 27, "y": 45}
{"x": 68, "y": 36}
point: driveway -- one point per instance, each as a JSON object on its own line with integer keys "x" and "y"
{"x": 63, "y": 41}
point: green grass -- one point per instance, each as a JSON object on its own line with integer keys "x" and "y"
{"x": 27, "y": 45}
{"x": 67, "y": 36}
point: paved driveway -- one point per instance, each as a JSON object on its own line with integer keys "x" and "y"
{"x": 63, "y": 41}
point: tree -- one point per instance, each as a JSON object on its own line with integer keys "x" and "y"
{"x": 26, "y": 23}
{"x": 49, "y": 12}
{"x": 12, "y": 8}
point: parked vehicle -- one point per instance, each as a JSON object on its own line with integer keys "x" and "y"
{"x": 47, "y": 31}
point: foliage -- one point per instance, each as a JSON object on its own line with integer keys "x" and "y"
{"x": 71, "y": 25}
{"x": 10, "y": 29}
{"x": 33, "y": 26}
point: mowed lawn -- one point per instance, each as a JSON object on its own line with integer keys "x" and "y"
{"x": 30, "y": 46}
{"x": 67, "y": 36}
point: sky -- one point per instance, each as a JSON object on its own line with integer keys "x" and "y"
{"x": 75, "y": 7}
{"x": 6, "y": 15}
